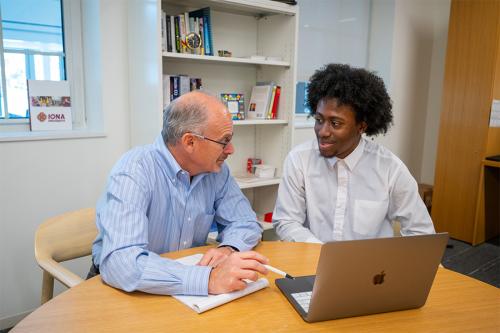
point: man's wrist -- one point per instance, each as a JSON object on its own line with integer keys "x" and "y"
{"x": 232, "y": 248}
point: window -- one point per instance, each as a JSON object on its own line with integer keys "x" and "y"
{"x": 31, "y": 48}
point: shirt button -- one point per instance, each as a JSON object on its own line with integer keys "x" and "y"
{"x": 185, "y": 243}
{"x": 189, "y": 219}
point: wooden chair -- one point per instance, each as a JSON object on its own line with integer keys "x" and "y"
{"x": 60, "y": 238}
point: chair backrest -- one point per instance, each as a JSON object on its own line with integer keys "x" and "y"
{"x": 63, "y": 237}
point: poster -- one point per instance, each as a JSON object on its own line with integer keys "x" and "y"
{"x": 50, "y": 105}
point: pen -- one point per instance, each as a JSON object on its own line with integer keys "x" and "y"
{"x": 277, "y": 271}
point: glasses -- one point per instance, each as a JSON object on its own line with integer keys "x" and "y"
{"x": 223, "y": 144}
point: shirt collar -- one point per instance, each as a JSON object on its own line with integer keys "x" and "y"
{"x": 171, "y": 166}
{"x": 168, "y": 161}
{"x": 353, "y": 158}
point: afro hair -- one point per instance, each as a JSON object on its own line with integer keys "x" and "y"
{"x": 362, "y": 90}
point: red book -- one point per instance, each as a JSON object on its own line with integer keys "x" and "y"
{"x": 274, "y": 112}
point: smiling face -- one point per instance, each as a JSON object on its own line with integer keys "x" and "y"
{"x": 336, "y": 128}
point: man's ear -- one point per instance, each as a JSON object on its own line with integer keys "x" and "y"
{"x": 188, "y": 142}
{"x": 362, "y": 126}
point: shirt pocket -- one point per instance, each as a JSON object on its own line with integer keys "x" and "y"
{"x": 201, "y": 228}
{"x": 369, "y": 216}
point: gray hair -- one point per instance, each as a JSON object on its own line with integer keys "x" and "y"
{"x": 179, "y": 118}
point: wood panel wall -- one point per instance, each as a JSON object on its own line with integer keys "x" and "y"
{"x": 469, "y": 83}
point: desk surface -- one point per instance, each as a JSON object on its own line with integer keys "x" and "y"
{"x": 456, "y": 303}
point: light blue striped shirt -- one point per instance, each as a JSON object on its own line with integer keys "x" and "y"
{"x": 151, "y": 206}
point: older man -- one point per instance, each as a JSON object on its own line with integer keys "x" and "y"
{"x": 164, "y": 197}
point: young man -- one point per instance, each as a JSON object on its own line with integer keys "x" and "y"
{"x": 164, "y": 197}
{"x": 343, "y": 186}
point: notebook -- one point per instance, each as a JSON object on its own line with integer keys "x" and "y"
{"x": 362, "y": 277}
{"x": 203, "y": 303}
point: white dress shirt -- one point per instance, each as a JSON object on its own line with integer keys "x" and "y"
{"x": 327, "y": 199}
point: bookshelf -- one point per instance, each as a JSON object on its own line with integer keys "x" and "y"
{"x": 245, "y": 28}
{"x": 231, "y": 60}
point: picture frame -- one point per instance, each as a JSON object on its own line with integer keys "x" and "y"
{"x": 235, "y": 103}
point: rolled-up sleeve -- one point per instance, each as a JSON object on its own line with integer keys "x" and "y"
{"x": 233, "y": 212}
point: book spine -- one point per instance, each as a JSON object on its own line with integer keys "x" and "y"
{"x": 175, "y": 87}
{"x": 188, "y": 30}
{"x": 196, "y": 24}
{"x": 177, "y": 35}
{"x": 182, "y": 30}
{"x": 166, "y": 90}
{"x": 271, "y": 103}
{"x": 184, "y": 86}
{"x": 202, "y": 46}
{"x": 274, "y": 113}
{"x": 163, "y": 27}
{"x": 168, "y": 33}
{"x": 208, "y": 50}
{"x": 207, "y": 28}
{"x": 172, "y": 33}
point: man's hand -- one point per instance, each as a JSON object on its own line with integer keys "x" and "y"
{"x": 228, "y": 275}
{"x": 214, "y": 256}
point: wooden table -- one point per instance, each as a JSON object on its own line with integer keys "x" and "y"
{"x": 456, "y": 304}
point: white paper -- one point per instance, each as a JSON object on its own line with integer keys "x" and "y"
{"x": 50, "y": 105}
{"x": 203, "y": 303}
{"x": 495, "y": 113}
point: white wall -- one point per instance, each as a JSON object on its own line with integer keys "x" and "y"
{"x": 39, "y": 179}
{"x": 416, "y": 81}
{"x": 440, "y": 17}
{"x": 407, "y": 48}
{"x": 332, "y": 31}
{"x": 361, "y": 35}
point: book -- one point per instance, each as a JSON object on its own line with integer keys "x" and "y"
{"x": 274, "y": 112}
{"x": 174, "y": 87}
{"x": 167, "y": 96}
{"x": 177, "y": 32}
{"x": 177, "y": 85}
{"x": 172, "y": 34}
{"x": 168, "y": 32}
{"x": 259, "y": 101}
{"x": 207, "y": 28}
{"x": 201, "y": 304}
{"x": 271, "y": 102}
{"x": 163, "y": 27}
{"x": 202, "y": 36}
{"x": 49, "y": 105}
{"x": 184, "y": 84}
{"x": 196, "y": 83}
{"x": 235, "y": 103}
{"x": 182, "y": 32}
{"x": 301, "y": 105}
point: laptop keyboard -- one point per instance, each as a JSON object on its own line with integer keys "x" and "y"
{"x": 303, "y": 299}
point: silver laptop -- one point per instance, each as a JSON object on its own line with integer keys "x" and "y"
{"x": 361, "y": 277}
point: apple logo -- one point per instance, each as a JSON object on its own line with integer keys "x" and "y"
{"x": 379, "y": 278}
